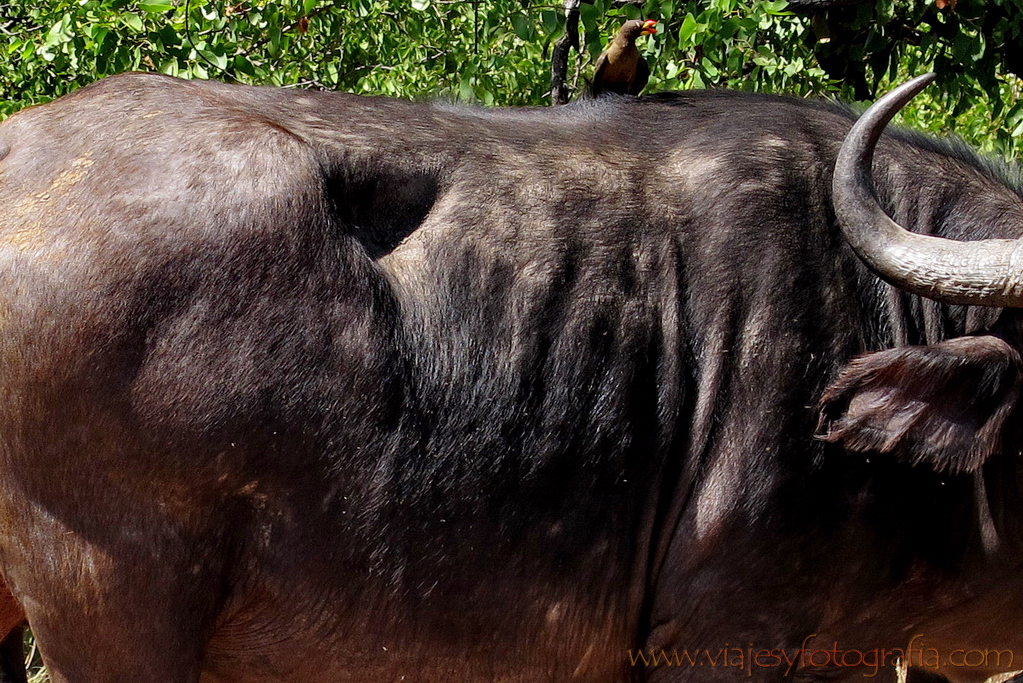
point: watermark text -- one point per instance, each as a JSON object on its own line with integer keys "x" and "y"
{"x": 814, "y": 655}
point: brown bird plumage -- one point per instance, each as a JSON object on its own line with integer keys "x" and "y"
{"x": 620, "y": 68}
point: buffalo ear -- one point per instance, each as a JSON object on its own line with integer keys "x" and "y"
{"x": 944, "y": 405}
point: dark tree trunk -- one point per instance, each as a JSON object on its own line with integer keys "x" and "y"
{"x": 559, "y": 58}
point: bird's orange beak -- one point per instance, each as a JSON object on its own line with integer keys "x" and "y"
{"x": 649, "y": 27}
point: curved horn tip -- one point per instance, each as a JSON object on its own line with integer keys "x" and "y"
{"x": 987, "y": 273}
{"x": 911, "y": 88}
{"x": 882, "y": 111}
{"x": 858, "y": 146}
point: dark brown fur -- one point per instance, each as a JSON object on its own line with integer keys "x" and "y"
{"x": 311, "y": 387}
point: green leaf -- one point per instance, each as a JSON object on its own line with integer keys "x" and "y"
{"x": 523, "y": 26}
{"x": 421, "y": 5}
{"x": 155, "y": 6}
{"x": 589, "y": 16}
{"x": 688, "y": 28}
{"x": 97, "y": 33}
{"x": 551, "y": 21}
{"x": 54, "y": 35}
{"x": 132, "y": 21}
{"x": 593, "y": 44}
{"x": 219, "y": 61}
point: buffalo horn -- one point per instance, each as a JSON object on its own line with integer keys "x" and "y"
{"x": 983, "y": 272}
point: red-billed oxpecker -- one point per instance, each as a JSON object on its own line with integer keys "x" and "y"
{"x": 620, "y": 68}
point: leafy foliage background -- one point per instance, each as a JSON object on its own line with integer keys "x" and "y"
{"x": 497, "y": 52}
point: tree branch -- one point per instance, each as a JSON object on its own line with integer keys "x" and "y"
{"x": 559, "y": 56}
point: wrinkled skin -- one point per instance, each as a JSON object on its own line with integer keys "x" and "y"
{"x": 311, "y": 387}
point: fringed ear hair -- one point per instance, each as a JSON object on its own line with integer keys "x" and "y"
{"x": 944, "y": 405}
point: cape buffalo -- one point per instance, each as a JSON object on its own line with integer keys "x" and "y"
{"x": 311, "y": 387}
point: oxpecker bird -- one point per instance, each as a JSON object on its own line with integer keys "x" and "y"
{"x": 620, "y": 68}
